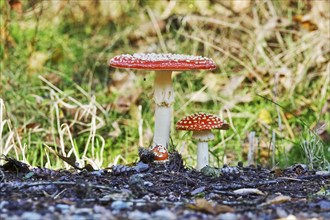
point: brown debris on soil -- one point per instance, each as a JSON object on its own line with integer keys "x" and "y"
{"x": 163, "y": 191}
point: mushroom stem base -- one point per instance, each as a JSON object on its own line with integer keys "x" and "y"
{"x": 202, "y": 155}
{"x": 162, "y": 125}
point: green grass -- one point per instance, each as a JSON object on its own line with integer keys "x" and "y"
{"x": 54, "y": 74}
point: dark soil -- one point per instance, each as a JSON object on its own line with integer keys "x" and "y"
{"x": 163, "y": 191}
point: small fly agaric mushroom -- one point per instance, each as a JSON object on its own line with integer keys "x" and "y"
{"x": 201, "y": 125}
{"x": 163, "y": 65}
{"x": 160, "y": 153}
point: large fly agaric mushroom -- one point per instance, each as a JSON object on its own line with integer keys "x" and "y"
{"x": 201, "y": 125}
{"x": 163, "y": 65}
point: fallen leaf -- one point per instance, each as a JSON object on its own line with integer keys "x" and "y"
{"x": 125, "y": 103}
{"x": 277, "y": 200}
{"x": 248, "y": 191}
{"x": 16, "y": 5}
{"x": 53, "y": 78}
{"x": 305, "y": 22}
{"x": 117, "y": 130}
{"x": 204, "y": 8}
{"x": 202, "y": 205}
{"x": 298, "y": 169}
{"x": 218, "y": 209}
{"x": 240, "y": 6}
{"x": 15, "y": 165}
{"x": 199, "y": 97}
{"x": 286, "y": 78}
{"x": 122, "y": 82}
{"x": 72, "y": 162}
{"x": 147, "y": 30}
{"x": 232, "y": 85}
{"x": 37, "y": 60}
{"x": 277, "y": 171}
{"x": 239, "y": 98}
{"x": 264, "y": 116}
{"x": 214, "y": 82}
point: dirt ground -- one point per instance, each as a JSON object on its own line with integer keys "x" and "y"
{"x": 163, "y": 191}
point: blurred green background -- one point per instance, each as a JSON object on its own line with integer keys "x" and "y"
{"x": 59, "y": 95}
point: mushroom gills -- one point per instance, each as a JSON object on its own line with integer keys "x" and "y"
{"x": 203, "y": 136}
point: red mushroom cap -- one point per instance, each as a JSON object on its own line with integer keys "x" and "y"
{"x": 201, "y": 122}
{"x": 160, "y": 153}
{"x": 167, "y": 61}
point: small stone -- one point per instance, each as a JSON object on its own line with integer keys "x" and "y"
{"x": 83, "y": 211}
{"x": 323, "y": 173}
{"x": 78, "y": 217}
{"x": 51, "y": 208}
{"x": 198, "y": 190}
{"x": 148, "y": 183}
{"x": 324, "y": 205}
{"x": 140, "y": 167}
{"x": 227, "y": 216}
{"x": 281, "y": 212}
{"x": 63, "y": 208}
{"x": 164, "y": 214}
{"x": 99, "y": 209}
{"x": 119, "y": 205}
{"x": 97, "y": 172}
{"x": 31, "y": 216}
{"x": 137, "y": 215}
{"x": 2, "y": 204}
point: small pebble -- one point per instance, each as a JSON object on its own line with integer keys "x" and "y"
{"x": 227, "y": 216}
{"x": 97, "y": 173}
{"x": 51, "y": 208}
{"x": 281, "y": 212}
{"x": 140, "y": 167}
{"x": 324, "y": 205}
{"x": 82, "y": 211}
{"x": 31, "y": 216}
{"x": 137, "y": 215}
{"x": 78, "y": 217}
{"x": 63, "y": 208}
{"x": 164, "y": 214}
{"x": 147, "y": 183}
{"x": 323, "y": 173}
{"x": 3, "y": 203}
{"x": 99, "y": 209}
{"x": 198, "y": 190}
{"x": 119, "y": 205}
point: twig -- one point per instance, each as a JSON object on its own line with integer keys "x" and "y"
{"x": 292, "y": 179}
{"x": 262, "y": 183}
{"x": 2, "y": 175}
{"x": 251, "y": 148}
{"x": 26, "y": 185}
{"x": 273, "y": 145}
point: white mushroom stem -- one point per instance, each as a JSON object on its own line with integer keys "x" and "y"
{"x": 164, "y": 98}
{"x": 202, "y": 137}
